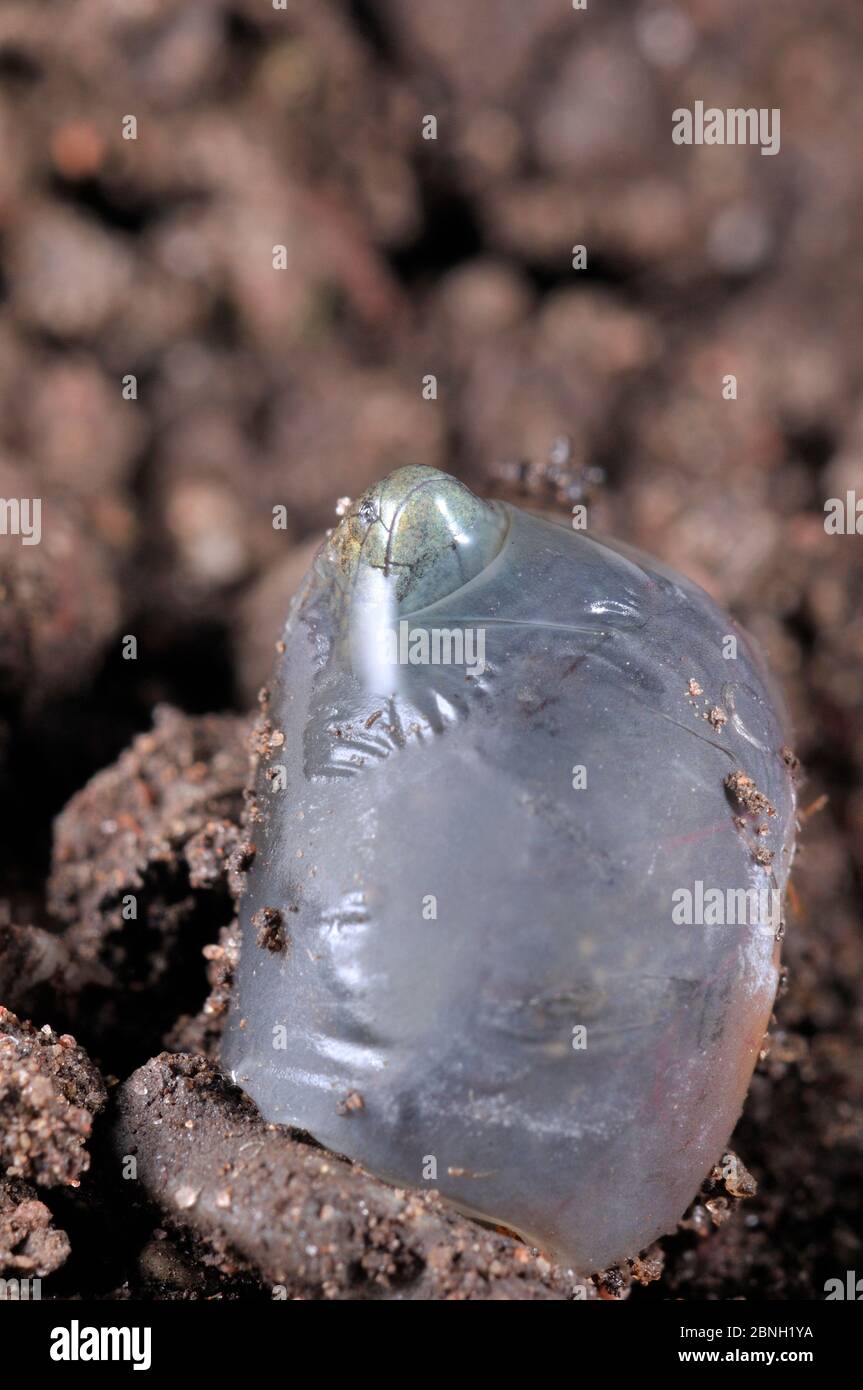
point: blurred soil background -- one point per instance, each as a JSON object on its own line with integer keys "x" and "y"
{"x": 259, "y": 388}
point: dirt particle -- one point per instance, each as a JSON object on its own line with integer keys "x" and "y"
{"x": 719, "y": 1209}
{"x": 611, "y": 1284}
{"x": 352, "y": 1103}
{"x": 50, "y": 1092}
{"x": 30, "y": 1245}
{"x": 790, "y": 759}
{"x": 742, "y": 787}
{"x": 269, "y": 929}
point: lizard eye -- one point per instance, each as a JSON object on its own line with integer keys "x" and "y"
{"x": 421, "y": 531}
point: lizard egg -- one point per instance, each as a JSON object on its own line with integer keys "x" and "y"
{"x": 523, "y": 825}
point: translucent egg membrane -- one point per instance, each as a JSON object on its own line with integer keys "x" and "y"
{"x": 494, "y": 791}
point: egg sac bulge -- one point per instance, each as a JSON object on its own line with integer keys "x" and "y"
{"x": 528, "y": 944}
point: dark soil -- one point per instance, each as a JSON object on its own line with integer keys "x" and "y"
{"x": 176, "y": 523}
